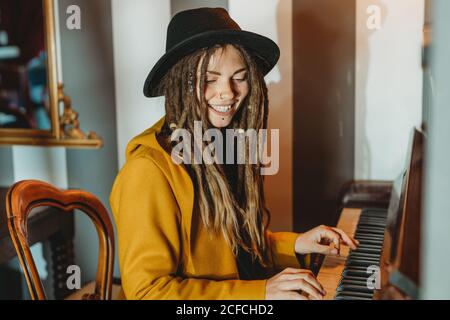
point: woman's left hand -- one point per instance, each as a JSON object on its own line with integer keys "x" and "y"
{"x": 318, "y": 240}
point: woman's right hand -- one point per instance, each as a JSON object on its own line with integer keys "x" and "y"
{"x": 287, "y": 285}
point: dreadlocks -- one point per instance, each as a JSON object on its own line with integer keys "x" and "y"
{"x": 237, "y": 210}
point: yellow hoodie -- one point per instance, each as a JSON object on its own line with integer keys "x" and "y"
{"x": 164, "y": 250}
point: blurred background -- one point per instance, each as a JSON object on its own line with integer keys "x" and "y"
{"x": 355, "y": 77}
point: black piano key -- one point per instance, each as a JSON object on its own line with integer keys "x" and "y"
{"x": 358, "y": 278}
{"x": 368, "y": 250}
{"x": 362, "y": 218}
{"x": 354, "y": 294}
{"x": 375, "y": 242}
{"x": 355, "y": 273}
{"x": 369, "y": 246}
{"x": 371, "y": 231}
{"x": 354, "y": 282}
{"x": 371, "y": 227}
{"x": 371, "y": 242}
{"x": 365, "y": 216}
{"x": 376, "y": 224}
{"x": 365, "y": 254}
{"x": 356, "y": 268}
{"x": 351, "y": 298}
{"x": 361, "y": 263}
{"x": 372, "y": 216}
{"x": 354, "y": 288}
{"x": 376, "y": 213}
{"x": 358, "y": 257}
{"x": 375, "y": 249}
{"x": 362, "y": 257}
{"x": 364, "y": 236}
{"x": 372, "y": 221}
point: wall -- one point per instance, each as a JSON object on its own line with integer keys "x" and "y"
{"x": 139, "y": 41}
{"x": 7, "y": 166}
{"x": 180, "y": 5}
{"x": 388, "y": 86}
{"x": 88, "y": 70}
{"x": 273, "y": 19}
{"x": 436, "y": 240}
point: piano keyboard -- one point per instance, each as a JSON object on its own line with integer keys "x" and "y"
{"x": 345, "y": 277}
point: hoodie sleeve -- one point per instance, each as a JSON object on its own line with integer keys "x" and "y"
{"x": 282, "y": 249}
{"x": 148, "y": 225}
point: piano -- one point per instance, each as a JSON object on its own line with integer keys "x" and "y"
{"x": 385, "y": 266}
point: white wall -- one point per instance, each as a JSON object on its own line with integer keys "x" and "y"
{"x": 436, "y": 239}
{"x": 48, "y": 164}
{"x": 139, "y": 29}
{"x": 273, "y": 19}
{"x": 88, "y": 67}
{"x": 181, "y": 5}
{"x": 388, "y": 86}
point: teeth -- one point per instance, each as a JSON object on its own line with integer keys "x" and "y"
{"x": 222, "y": 109}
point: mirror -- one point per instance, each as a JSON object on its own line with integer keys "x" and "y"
{"x": 30, "y": 93}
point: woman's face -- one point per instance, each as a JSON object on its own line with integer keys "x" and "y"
{"x": 226, "y": 85}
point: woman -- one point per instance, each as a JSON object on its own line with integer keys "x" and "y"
{"x": 197, "y": 230}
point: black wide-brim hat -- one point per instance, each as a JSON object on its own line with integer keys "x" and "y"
{"x": 191, "y": 30}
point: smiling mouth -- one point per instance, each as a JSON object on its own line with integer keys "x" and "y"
{"x": 222, "y": 110}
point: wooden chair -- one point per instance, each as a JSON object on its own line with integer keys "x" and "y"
{"x": 26, "y": 195}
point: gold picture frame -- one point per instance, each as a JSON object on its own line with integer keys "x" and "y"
{"x": 65, "y": 129}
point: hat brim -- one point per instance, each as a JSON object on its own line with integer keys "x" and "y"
{"x": 264, "y": 50}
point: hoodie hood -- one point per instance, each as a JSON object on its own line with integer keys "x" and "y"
{"x": 144, "y": 141}
{"x": 145, "y": 145}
